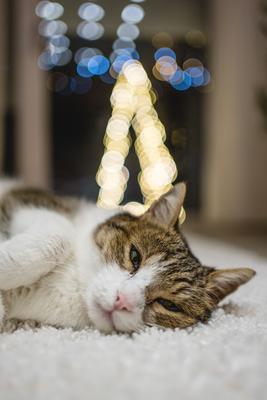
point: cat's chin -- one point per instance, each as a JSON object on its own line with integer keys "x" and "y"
{"x": 116, "y": 321}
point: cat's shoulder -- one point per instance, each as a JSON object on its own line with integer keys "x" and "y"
{"x": 14, "y": 194}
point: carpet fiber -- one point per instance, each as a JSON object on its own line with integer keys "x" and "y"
{"x": 225, "y": 359}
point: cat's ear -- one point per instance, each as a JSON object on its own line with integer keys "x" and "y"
{"x": 167, "y": 208}
{"x": 222, "y": 282}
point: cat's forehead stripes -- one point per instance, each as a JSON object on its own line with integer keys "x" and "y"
{"x": 151, "y": 238}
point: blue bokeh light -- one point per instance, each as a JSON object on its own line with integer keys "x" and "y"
{"x": 185, "y": 82}
{"x": 60, "y": 41}
{"x": 98, "y": 65}
{"x": 127, "y": 51}
{"x": 134, "y": 53}
{"x": 197, "y": 75}
{"x": 206, "y": 77}
{"x": 82, "y": 68}
{"x": 123, "y": 44}
{"x": 119, "y": 61}
{"x": 86, "y": 52}
{"x": 164, "y": 51}
{"x": 177, "y": 77}
{"x": 62, "y": 58}
{"x": 44, "y": 61}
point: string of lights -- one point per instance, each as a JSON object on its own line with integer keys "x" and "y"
{"x": 132, "y": 103}
{"x": 56, "y": 52}
{"x": 112, "y": 175}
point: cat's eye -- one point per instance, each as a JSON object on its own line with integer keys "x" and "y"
{"x": 135, "y": 257}
{"x": 169, "y": 305}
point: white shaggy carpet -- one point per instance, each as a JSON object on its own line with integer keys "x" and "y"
{"x": 226, "y": 359}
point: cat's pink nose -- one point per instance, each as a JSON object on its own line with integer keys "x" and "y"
{"x": 122, "y": 303}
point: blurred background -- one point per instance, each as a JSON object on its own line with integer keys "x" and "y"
{"x": 212, "y": 100}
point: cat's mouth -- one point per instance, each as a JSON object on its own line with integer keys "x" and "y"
{"x": 115, "y": 320}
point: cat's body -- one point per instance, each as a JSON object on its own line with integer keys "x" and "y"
{"x": 67, "y": 263}
{"x": 56, "y": 297}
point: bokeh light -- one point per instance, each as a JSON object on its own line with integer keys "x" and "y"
{"x": 177, "y": 77}
{"x": 113, "y": 73}
{"x": 47, "y": 60}
{"x": 82, "y": 68}
{"x": 162, "y": 39}
{"x": 130, "y": 52}
{"x": 135, "y": 73}
{"x": 192, "y": 73}
{"x": 196, "y": 38}
{"x": 44, "y": 61}
{"x": 206, "y": 77}
{"x": 91, "y": 12}
{"x": 197, "y": 76}
{"x": 133, "y": 14}
{"x": 166, "y": 66}
{"x": 62, "y": 58}
{"x": 107, "y": 78}
{"x": 98, "y": 65}
{"x": 185, "y": 82}
{"x": 57, "y": 52}
{"x": 51, "y": 28}
{"x": 59, "y": 42}
{"x": 49, "y": 10}
{"x": 128, "y": 31}
{"x": 192, "y": 62}
{"x": 157, "y": 74}
{"x": 123, "y": 44}
{"x": 164, "y": 51}
{"x": 90, "y": 30}
{"x": 86, "y": 52}
{"x": 119, "y": 62}
{"x": 135, "y": 208}
{"x": 132, "y": 102}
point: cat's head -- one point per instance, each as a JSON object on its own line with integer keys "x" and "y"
{"x": 150, "y": 276}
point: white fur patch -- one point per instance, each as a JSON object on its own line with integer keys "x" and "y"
{"x": 102, "y": 293}
{"x": 40, "y": 240}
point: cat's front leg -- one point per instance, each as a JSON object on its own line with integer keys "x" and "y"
{"x": 41, "y": 240}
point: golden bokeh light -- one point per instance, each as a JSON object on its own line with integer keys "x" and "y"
{"x": 132, "y": 101}
{"x": 196, "y": 38}
{"x": 162, "y": 39}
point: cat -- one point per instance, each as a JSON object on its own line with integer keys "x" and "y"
{"x": 66, "y": 263}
